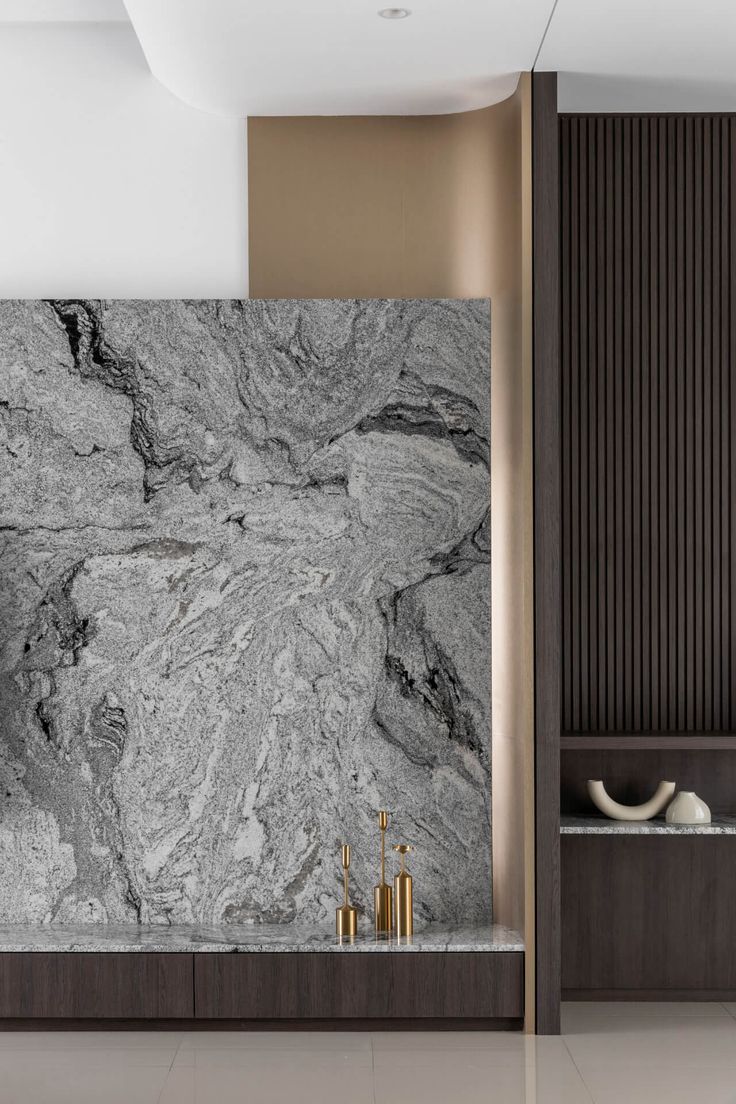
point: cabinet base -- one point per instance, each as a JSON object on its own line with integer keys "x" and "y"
{"x": 443, "y": 1024}
{"x": 306, "y": 989}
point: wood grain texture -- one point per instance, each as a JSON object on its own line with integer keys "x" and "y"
{"x": 384, "y": 986}
{"x": 632, "y": 776}
{"x": 96, "y": 986}
{"x": 547, "y": 515}
{"x": 648, "y": 741}
{"x": 648, "y": 913}
{"x": 669, "y": 995}
{"x": 205, "y": 1026}
{"x": 648, "y": 242}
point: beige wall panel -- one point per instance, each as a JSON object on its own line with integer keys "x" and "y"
{"x": 431, "y": 207}
{"x": 326, "y": 200}
{"x": 385, "y": 206}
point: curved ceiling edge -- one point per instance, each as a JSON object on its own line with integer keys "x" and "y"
{"x": 228, "y": 58}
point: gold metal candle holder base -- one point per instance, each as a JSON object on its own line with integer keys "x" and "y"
{"x": 403, "y": 894}
{"x": 383, "y": 907}
{"x": 346, "y": 922}
{"x": 404, "y": 905}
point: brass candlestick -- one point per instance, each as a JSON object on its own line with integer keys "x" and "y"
{"x": 403, "y": 894}
{"x": 383, "y": 897}
{"x": 346, "y": 917}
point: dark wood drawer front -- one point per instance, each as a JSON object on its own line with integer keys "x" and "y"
{"x": 362, "y": 986}
{"x": 653, "y": 914}
{"x": 91, "y": 986}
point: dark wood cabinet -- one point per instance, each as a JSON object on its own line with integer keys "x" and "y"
{"x": 59, "y": 985}
{"x": 360, "y": 986}
{"x": 649, "y": 916}
{"x": 221, "y": 987}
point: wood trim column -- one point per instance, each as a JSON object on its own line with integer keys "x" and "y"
{"x": 547, "y": 595}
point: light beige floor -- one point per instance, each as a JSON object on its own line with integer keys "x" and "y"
{"x": 608, "y": 1054}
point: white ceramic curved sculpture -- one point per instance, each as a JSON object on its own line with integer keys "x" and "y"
{"x": 616, "y": 811}
{"x": 687, "y": 808}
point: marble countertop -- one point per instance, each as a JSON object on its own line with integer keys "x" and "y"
{"x": 246, "y": 939}
{"x": 601, "y": 826}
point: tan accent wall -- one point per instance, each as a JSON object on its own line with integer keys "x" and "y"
{"x": 436, "y": 206}
{"x": 385, "y": 206}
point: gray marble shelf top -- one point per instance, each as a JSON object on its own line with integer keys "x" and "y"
{"x": 253, "y": 938}
{"x": 601, "y": 826}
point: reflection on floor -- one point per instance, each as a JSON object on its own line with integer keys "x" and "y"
{"x": 608, "y": 1054}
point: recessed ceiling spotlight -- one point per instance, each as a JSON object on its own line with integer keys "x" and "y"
{"x": 394, "y": 13}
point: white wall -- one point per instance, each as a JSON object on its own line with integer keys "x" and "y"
{"x": 110, "y": 186}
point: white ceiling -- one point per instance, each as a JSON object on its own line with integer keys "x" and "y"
{"x": 62, "y": 11}
{"x": 687, "y": 39}
{"x": 337, "y": 57}
{"x": 638, "y": 55}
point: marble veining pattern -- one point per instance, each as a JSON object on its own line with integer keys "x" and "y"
{"x": 600, "y": 826}
{"x": 244, "y": 554}
{"x": 281, "y": 938}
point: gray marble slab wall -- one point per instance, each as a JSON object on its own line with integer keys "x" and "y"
{"x": 244, "y": 603}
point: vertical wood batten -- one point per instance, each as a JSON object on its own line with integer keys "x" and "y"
{"x": 649, "y": 428}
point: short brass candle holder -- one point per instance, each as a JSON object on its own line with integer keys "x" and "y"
{"x": 346, "y": 917}
{"x": 403, "y": 894}
{"x": 383, "y": 896}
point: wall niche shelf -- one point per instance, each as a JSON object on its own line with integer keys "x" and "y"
{"x": 647, "y": 741}
{"x": 600, "y": 826}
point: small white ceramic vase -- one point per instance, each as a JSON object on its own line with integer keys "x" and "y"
{"x": 687, "y": 808}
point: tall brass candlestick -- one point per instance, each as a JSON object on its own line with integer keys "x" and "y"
{"x": 346, "y": 917}
{"x": 403, "y": 894}
{"x": 383, "y": 903}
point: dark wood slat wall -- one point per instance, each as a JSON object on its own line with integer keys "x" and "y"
{"x": 648, "y": 247}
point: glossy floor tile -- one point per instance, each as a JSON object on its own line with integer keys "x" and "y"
{"x": 616, "y": 1042}
{"x": 467, "y": 1077}
{"x": 301, "y": 1062}
{"x": 607, "y": 1054}
{"x": 82, "y": 1085}
{"x": 311, "y": 1041}
{"x": 272, "y": 1081}
{"x": 659, "y": 1085}
{"x": 89, "y": 1040}
{"x": 86, "y": 1058}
